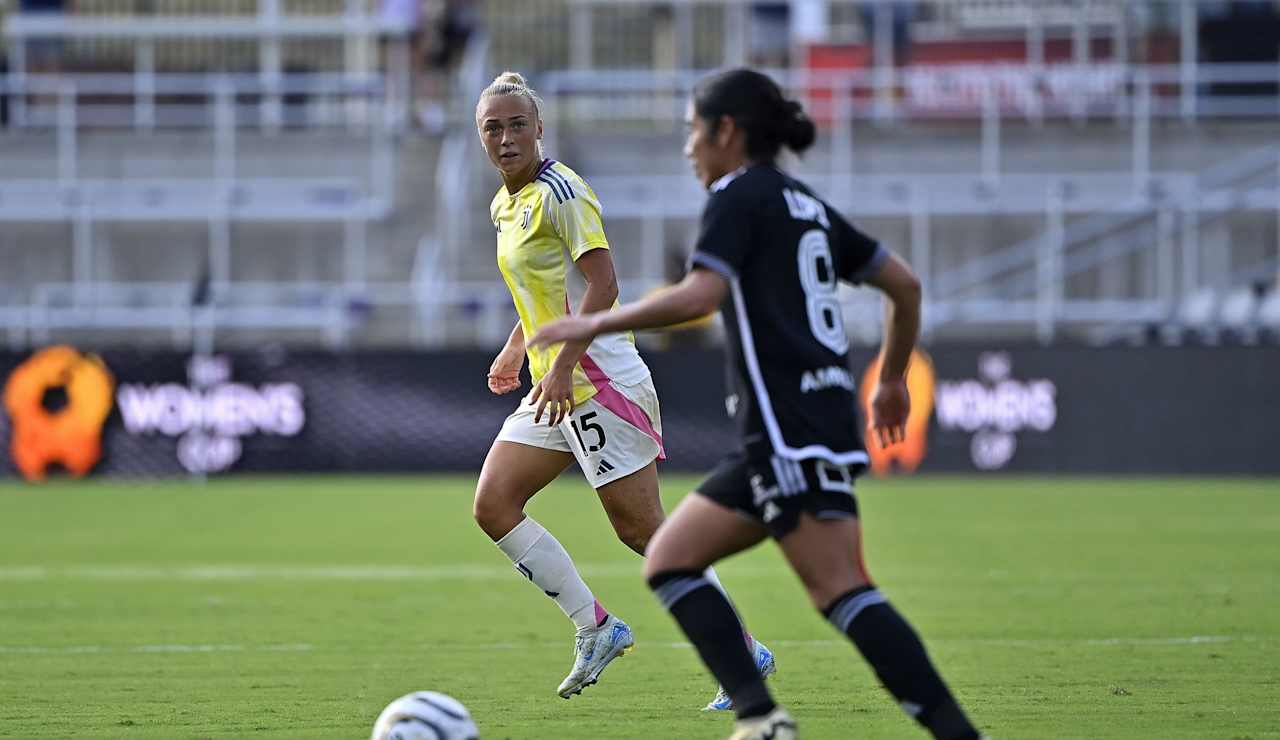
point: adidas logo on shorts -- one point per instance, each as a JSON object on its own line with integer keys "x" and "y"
{"x": 603, "y": 468}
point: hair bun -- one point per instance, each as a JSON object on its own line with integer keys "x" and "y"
{"x": 510, "y": 78}
{"x": 801, "y": 132}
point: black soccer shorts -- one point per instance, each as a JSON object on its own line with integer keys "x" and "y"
{"x": 774, "y": 490}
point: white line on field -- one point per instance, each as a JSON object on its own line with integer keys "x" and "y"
{"x": 471, "y": 571}
{"x": 507, "y": 646}
{"x": 995, "y": 642}
{"x": 82, "y": 649}
{"x": 449, "y": 572}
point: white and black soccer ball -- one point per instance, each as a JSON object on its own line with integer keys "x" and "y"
{"x": 425, "y": 715}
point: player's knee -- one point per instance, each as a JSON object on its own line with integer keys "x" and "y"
{"x": 494, "y": 515}
{"x": 827, "y": 587}
{"x": 635, "y": 537}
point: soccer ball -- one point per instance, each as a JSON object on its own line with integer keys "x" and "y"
{"x": 425, "y": 715}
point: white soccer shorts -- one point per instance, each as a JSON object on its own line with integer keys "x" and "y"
{"x": 614, "y": 434}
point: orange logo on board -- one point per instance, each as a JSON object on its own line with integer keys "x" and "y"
{"x": 907, "y": 455}
{"x": 71, "y": 435}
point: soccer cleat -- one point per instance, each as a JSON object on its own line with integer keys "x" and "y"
{"x": 592, "y": 651}
{"x": 776, "y": 725}
{"x": 767, "y": 666}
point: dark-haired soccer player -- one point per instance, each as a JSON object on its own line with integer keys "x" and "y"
{"x": 769, "y": 256}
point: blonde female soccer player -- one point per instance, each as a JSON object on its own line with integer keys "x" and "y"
{"x": 592, "y": 401}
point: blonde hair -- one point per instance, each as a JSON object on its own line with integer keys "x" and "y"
{"x": 513, "y": 83}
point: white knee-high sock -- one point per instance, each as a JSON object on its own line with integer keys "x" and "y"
{"x": 710, "y": 575}
{"x": 543, "y": 560}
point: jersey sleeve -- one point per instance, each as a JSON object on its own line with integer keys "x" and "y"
{"x": 857, "y": 255}
{"x": 575, "y": 215}
{"x": 724, "y": 238}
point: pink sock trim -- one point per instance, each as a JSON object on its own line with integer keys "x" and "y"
{"x": 601, "y": 614}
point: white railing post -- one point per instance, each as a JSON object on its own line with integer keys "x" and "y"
{"x": 68, "y": 136}
{"x": 1165, "y": 256}
{"x": 1080, "y": 59}
{"x": 1189, "y": 60}
{"x": 682, "y": 17}
{"x": 356, "y": 61}
{"x": 82, "y": 259}
{"x": 382, "y": 175}
{"x": 1191, "y": 243}
{"x": 355, "y": 245}
{"x": 990, "y": 131}
{"x": 224, "y": 133}
{"x": 1049, "y": 289}
{"x": 220, "y": 248}
{"x": 144, "y": 85}
{"x": 841, "y": 129}
{"x": 885, "y": 70}
{"x": 1035, "y": 61}
{"x": 270, "y": 66}
{"x": 1142, "y": 132}
{"x": 735, "y": 34}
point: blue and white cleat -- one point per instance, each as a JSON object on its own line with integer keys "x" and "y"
{"x": 592, "y": 651}
{"x": 767, "y": 666}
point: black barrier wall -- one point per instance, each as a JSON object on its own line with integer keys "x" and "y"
{"x": 1021, "y": 409}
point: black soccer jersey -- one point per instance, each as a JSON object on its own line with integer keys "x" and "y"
{"x": 782, "y": 250}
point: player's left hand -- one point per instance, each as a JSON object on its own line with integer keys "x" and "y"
{"x": 569, "y": 328}
{"x": 890, "y": 406}
{"x": 553, "y": 394}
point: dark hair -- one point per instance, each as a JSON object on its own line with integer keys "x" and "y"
{"x": 755, "y": 103}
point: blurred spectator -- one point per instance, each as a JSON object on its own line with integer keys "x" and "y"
{"x": 402, "y": 45}
{"x": 900, "y": 15}
{"x": 770, "y": 34}
{"x": 451, "y": 25}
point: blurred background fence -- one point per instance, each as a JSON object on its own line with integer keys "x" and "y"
{"x": 207, "y": 176}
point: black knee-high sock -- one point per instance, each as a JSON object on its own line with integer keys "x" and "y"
{"x": 711, "y": 625}
{"x": 899, "y": 659}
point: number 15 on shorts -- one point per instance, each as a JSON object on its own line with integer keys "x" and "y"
{"x": 590, "y": 429}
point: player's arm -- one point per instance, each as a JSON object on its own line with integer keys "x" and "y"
{"x": 504, "y": 373}
{"x": 890, "y": 403}
{"x": 699, "y": 294}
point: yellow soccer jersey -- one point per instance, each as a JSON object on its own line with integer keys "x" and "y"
{"x": 542, "y": 231}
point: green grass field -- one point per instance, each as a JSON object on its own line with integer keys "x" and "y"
{"x": 297, "y": 607}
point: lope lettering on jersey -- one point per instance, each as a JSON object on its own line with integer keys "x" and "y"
{"x": 996, "y": 407}
{"x": 805, "y": 207}
{"x": 211, "y": 413}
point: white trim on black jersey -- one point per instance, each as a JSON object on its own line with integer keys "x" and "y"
{"x": 723, "y": 181}
{"x": 780, "y": 446}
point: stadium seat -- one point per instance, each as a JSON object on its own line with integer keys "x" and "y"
{"x": 1195, "y": 319}
{"x": 1269, "y": 315}
{"x": 1237, "y": 315}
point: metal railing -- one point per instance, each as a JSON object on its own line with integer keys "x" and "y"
{"x": 270, "y": 31}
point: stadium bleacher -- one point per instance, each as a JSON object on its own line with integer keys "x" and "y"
{"x": 926, "y": 147}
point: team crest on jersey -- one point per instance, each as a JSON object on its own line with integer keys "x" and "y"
{"x": 526, "y": 217}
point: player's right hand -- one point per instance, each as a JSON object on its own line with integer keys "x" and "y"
{"x": 890, "y": 407}
{"x": 504, "y": 373}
